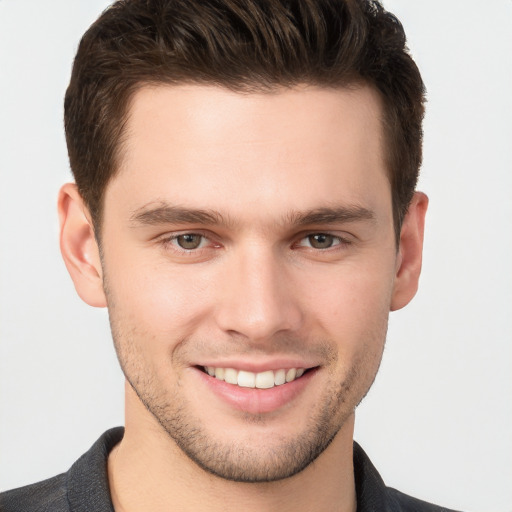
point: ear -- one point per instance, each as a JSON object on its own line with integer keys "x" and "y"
{"x": 79, "y": 247}
{"x": 410, "y": 252}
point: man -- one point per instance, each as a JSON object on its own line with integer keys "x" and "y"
{"x": 245, "y": 207}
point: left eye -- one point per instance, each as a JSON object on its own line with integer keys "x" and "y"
{"x": 189, "y": 241}
{"x": 320, "y": 241}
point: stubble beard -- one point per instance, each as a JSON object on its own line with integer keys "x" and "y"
{"x": 246, "y": 461}
{"x": 243, "y": 461}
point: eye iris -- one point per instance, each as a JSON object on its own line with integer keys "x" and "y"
{"x": 321, "y": 241}
{"x": 189, "y": 241}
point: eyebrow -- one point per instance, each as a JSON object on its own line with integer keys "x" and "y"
{"x": 167, "y": 214}
{"x": 164, "y": 213}
{"x": 333, "y": 215}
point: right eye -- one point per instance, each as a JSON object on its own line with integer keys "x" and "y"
{"x": 321, "y": 241}
{"x": 188, "y": 241}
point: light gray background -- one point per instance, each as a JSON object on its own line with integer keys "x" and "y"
{"x": 438, "y": 421}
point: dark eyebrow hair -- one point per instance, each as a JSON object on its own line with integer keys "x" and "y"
{"x": 167, "y": 214}
{"x": 331, "y": 215}
{"x": 163, "y": 213}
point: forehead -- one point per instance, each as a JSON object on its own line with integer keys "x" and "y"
{"x": 208, "y": 147}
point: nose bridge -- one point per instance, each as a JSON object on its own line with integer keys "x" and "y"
{"x": 258, "y": 300}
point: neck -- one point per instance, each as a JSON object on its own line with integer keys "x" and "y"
{"x": 149, "y": 472}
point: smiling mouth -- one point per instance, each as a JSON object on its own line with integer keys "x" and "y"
{"x": 262, "y": 380}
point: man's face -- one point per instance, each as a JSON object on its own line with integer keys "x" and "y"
{"x": 250, "y": 235}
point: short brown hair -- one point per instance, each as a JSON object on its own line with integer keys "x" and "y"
{"x": 244, "y": 45}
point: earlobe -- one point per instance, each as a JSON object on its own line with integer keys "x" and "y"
{"x": 79, "y": 247}
{"x": 409, "y": 257}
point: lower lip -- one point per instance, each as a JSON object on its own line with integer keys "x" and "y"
{"x": 254, "y": 400}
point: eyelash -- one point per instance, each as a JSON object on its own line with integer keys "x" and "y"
{"x": 340, "y": 241}
{"x": 169, "y": 242}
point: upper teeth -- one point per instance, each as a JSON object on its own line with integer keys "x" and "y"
{"x": 261, "y": 380}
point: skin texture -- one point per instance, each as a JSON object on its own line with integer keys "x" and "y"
{"x": 272, "y": 171}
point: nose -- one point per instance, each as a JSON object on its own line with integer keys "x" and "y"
{"x": 258, "y": 299}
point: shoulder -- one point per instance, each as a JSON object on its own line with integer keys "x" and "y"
{"x": 404, "y": 503}
{"x": 84, "y": 488}
{"x": 48, "y": 495}
{"x": 373, "y": 494}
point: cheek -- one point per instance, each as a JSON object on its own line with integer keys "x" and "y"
{"x": 350, "y": 308}
{"x": 350, "y": 296}
{"x": 154, "y": 299}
